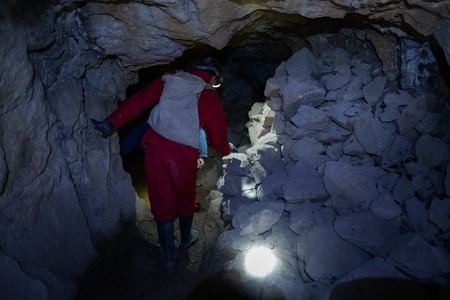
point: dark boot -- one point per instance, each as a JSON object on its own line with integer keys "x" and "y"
{"x": 166, "y": 241}
{"x": 188, "y": 236}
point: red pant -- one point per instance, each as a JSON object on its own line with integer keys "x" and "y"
{"x": 171, "y": 181}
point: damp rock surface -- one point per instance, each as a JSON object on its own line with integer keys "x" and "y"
{"x": 366, "y": 203}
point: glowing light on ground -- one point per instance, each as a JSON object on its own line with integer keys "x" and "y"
{"x": 260, "y": 261}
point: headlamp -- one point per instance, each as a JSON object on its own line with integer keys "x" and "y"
{"x": 218, "y": 79}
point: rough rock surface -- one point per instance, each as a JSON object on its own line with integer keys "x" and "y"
{"x": 372, "y": 211}
{"x": 64, "y": 195}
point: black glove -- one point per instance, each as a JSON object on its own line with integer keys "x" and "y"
{"x": 105, "y": 127}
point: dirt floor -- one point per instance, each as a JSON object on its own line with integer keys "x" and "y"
{"x": 189, "y": 271}
{"x": 132, "y": 267}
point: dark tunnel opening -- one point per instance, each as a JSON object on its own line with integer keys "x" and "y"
{"x": 256, "y": 65}
{"x": 250, "y": 57}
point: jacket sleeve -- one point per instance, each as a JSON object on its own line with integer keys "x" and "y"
{"x": 212, "y": 117}
{"x": 203, "y": 144}
{"x": 137, "y": 103}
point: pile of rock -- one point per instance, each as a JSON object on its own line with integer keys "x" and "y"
{"x": 347, "y": 177}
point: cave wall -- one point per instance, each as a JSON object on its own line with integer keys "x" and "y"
{"x": 63, "y": 192}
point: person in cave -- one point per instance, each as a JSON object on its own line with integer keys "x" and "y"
{"x": 184, "y": 103}
{"x": 133, "y": 139}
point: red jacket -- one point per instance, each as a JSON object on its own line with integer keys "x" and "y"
{"x": 210, "y": 111}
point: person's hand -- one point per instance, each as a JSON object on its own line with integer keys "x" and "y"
{"x": 105, "y": 127}
{"x": 233, "y": 148}
{"x": 200, "y": 163}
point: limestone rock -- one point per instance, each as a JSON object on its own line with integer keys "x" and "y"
{"x": 271, "y": 187}
{"x": 411, "y": 116}
{"x": 418, "y": 218}
{"x": 301, "y": 221}
{"x": 229, "y": 206}
{"x": 403, "y": 190}
{"x": 234, "y": 185}
{"x": 432, "y": 151}
{"x": 438, "y": 213}
{"x": 400, "y": 151}
{"x": 332, "y": 133}
{"x": 297, "y": 93}
{"x": 384, "y": 207}
{"x": 376, "y": 137}
{"x": 300, "y": 189}
{"x": 283, "y": 238}
{"x": 417, "y": 258}
{"x": 303, "y": 217}
{"x": 353, "y": 147}
{"x": 338, "y": 79}
{"x": 257, "y": 218}
{"x": 309, "y": 118}
{"x": 258, "y": 173}
{"x": 350, "y": 188}
{"x": 236, "y": 164}
{"x": 268, "y": 156}
{"x": 366, "y": 231}
{"x": 373, "y": 91}
{"x": 338, "y": 112}
{"x": 386, "y": 48}
{"x": 301, "y": 65}
{"x": 317, "y": 249}
{"x": 306, "y": 148}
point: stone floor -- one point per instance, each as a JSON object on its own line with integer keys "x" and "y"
{"x": 132, "y": 268}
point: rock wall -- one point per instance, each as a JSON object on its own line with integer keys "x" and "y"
{"x": 63, "y": 192}
{"x": 347, "y": 178}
